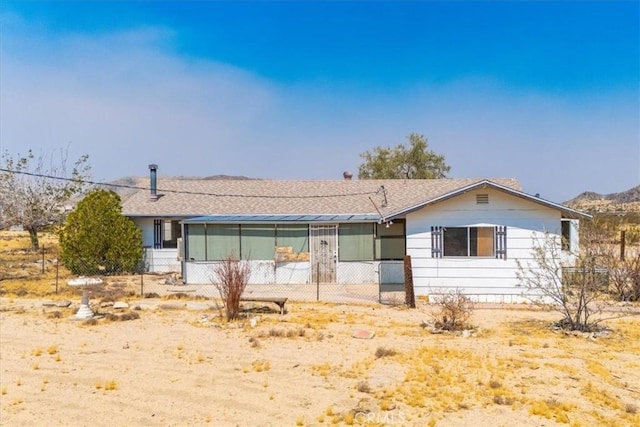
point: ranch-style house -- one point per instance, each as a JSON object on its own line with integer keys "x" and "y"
{"x": 460, "y": 233}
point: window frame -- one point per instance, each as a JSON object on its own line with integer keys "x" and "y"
{"x": 499, "y": 242}
{"x": 395, "y": 233}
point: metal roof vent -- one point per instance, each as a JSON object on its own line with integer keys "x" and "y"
{"x": 153, "y": 173}
{"x": 482, "y": 199}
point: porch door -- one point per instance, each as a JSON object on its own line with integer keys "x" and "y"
{"x": 324, "y": 253}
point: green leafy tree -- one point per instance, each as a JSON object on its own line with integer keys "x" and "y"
{"x": 98, "y": 239}
{"x": 33, "y": 195}
{"x": 415, "y": 161}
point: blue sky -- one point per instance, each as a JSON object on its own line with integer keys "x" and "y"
{"x": 547, "y": 92}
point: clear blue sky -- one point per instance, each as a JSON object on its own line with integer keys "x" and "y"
{"x": 547, "y": 92}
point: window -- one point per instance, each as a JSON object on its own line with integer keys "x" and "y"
{"x": 355, "y": 242}
{"x": 469, "y": 242}
{"x": 257, "y": 241}
{"x": 222, "y": 240}
{"x": 170, "y": 234}
{"x": 566, "y": 234}
{"x": 390, "y": 241}
{"x": 214, "y": 242}
{"x": 166, "y": 233}
{"x": 295, "y": 236}
{"x": 196, "y": 242}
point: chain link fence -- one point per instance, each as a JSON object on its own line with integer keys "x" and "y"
{"x": 379, "y": 281}
{"x": 40, "y": 273}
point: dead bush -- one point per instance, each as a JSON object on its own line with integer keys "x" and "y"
{"x": 454, "y": 311}
{"x": 230, "y": 276}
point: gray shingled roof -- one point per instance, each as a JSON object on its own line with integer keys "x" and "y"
{"x": 188, "y": 198}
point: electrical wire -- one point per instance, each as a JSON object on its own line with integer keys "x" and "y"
{"x": 195, "y": 193}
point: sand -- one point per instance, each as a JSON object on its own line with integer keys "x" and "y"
{"x": 179, "y": 365}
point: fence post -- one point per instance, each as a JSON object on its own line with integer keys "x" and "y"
{"x": 142, "y": 285}
{"x": 410, "y": 298}
{"x": 622, "y": 244}
{"x": 42, "y": 259}
{"x": 318, "y": 282}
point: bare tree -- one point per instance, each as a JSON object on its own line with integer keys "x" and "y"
{"x": 32, "y": 192}
{"x": 230, "y": 276}
{"x": 573, "y": 283}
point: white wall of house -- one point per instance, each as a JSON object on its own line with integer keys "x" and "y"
{"x": 484, "y": 279}
{"x": 156, "y": 260}
{"x": 146, "y": 226}
{"x": 161, "y": 260}
{"x": 262, "y": 272}
{"x": 283, "y": 273}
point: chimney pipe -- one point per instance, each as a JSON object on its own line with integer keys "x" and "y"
{"x": 347, "y": 176}
{"x": 154, "y": 188}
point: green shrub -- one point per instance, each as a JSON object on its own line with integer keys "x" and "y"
{"x": 98, "y": 239}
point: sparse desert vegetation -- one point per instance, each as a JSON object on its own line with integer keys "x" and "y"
{"x": 183, "y": 366}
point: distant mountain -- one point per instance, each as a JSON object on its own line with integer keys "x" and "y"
{"x": 625, "y": 201}
{"x": 629, "y": 196}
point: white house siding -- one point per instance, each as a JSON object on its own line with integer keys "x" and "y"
{"x": 262, "y": 272}
{"x": 146, "y": 226}
{"x": 293, "y": 272}
{"x": 156, "y": 260}
{"x": 161, "y": 260}
{"x": 484, "y": 279}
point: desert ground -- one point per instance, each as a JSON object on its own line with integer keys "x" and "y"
{"x": 178, "y": 362}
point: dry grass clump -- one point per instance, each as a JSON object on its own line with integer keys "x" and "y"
{"x": 322, "y": 369}
{"x": 172, "y": 296}
{"x": 283, "y": 333}
{"x": 109, "y": 385}
{"x": 261, "y": 365}
{"x": 495, "y": 384}
{"x": 552, "y": 409}
{"x": 363, "y": 387}
{"x": 385, "y": 352}
{"x": 502, "y": 400}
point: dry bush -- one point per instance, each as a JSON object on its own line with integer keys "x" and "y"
{"x": 364, "y": 387}
{"x": 57, "y": 314}
{"x": 230, "y": 276}
{"x": 273, "y": 332}
{"x": 624, "y": 277}
{"x": 385, "y": 352}
{"x": 455, "y": 310}
{"x": 576, "y": 291}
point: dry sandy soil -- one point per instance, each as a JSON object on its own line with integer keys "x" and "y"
{"x": 178, "y": 364}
